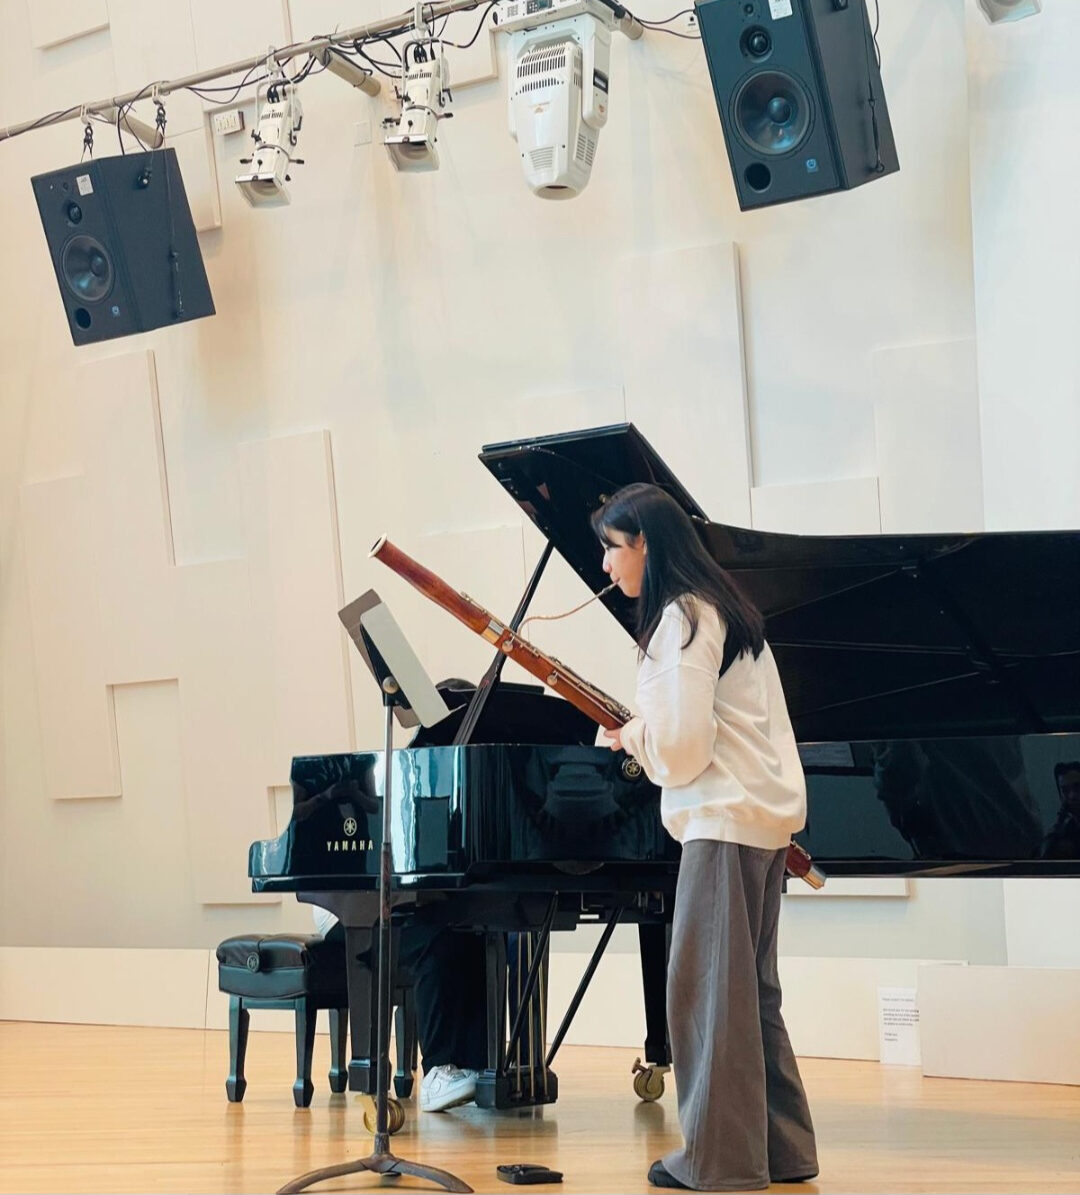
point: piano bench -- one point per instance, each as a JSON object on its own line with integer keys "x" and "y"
{"x": 301, "y": 972}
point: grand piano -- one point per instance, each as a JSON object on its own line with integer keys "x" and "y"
{"x": 933, "y": 683}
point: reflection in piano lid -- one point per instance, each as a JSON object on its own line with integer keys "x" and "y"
{"x": 933, "y": 682}
{"x": 928, "y": 677}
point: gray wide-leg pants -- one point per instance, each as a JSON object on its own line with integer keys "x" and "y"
{"x": 742, "y": 1107}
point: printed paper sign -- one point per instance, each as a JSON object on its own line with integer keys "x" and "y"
{"x": 898, "y": 1026}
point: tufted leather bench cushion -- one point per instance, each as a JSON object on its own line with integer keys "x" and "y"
{"x": 282, "y": 967}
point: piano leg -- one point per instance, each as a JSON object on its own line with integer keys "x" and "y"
{"x": 303, "y": 1088}
{"x": 654, "y": 941}
{"x": 495, "y": 972}
{"x": 339, "y": 1043}
{"x": 363, "y": 1024}
{"x": 239, "y": 1018}
{"x": 405, "y": 1030}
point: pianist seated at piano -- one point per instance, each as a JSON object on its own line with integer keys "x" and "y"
{"x": 713, "y": 732}
{"x": 450, "y": 1002}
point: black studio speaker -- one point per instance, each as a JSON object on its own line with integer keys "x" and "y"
{"x": 123, "y": 245}
{"x": 800, "y": 98}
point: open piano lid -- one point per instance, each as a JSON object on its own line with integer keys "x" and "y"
{"x": 876, "y": 636}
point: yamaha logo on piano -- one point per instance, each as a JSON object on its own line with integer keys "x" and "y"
{"x": 335, "y": 845}
{"x": 350, "y": 842}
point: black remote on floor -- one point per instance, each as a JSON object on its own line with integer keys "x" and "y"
{"x": 528, "y": 1172}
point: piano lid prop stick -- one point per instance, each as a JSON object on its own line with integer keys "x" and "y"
{"x": 604, "y": 710}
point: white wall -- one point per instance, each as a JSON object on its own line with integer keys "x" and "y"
{"x": 1024, "y": 184}
{"x": 406, "y": 321}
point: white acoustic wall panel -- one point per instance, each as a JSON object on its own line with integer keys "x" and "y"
{"x": 155, "y": 42}
{"x": 83, "y": 986}
{"x": 831, "y": 1004}
{"x": 78, "y": 726}
{"x": 679, "y": 309}
{"x": 848, "y": 886}
{"x": 530, "y": 414}
{"x": 226, "y": 33}
{"x": 198, "y": 166}
{"x": 311, "y": 18}
{"x": 281, "y": 804}
{"x": 56, "y": 21}
{"x": 52, "y": 447}
{"x": 1015, "y": 1023}
{"x": 224, "y": 715}
{"x": 290, "y": 531}
{"x": 1023, "y": 89}
{"x": 473, "y": 64}
{"x": 929, "y": 450}
{"x": 612, "y": 1012}
{"x": 71, "y": 72}
{"x": 128, "y": 507}
{"x": 1035, "y": 911}
{"x": 237, "y": 30}
{"x": 845, "y": 507}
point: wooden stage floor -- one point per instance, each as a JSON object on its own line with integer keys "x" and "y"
{"x": 91, "y": 1108}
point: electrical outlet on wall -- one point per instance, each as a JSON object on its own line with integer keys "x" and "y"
{"x": 692, "y": 27}
{"x": 231, "y": 121}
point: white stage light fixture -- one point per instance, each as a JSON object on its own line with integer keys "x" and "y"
{"x": 997, "y": 11}
{"x": 558, "y": 90}
{"x": 275, "y": 136}
{"x": 424, "y": 92}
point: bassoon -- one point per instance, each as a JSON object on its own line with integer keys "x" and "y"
{"x": 605, "y": 710}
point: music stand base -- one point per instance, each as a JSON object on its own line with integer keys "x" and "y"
{"x": 380, "y": 1162}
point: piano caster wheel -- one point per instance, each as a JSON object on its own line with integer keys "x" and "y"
{"x": 648, "y": 1081}
{"x": 395, "y": 1114}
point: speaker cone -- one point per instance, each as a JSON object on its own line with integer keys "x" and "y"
{"x": 87, "y": 268}
{"x": 772, "y": 112}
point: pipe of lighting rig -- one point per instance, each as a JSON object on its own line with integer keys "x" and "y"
{"x": 150, "y": 135}
{"x": 400, "y": 23}
{"x": 353, "y": 74}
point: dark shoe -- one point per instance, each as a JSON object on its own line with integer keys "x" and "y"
{"x": 796, "y": 1178}
{"x": 659, "y": 1177}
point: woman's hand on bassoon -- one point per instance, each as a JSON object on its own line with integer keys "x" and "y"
{"x": 614, "y": 738}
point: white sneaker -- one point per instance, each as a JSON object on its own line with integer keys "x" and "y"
{"x": 445, "y": 1087}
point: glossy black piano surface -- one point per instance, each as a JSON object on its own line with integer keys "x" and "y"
{"x": 933, "y": 681}
{"x": 466, "y": 814}
{"x": 934, "y": 686}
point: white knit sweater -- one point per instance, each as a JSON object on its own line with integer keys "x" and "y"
{"x": 722, "y": 751}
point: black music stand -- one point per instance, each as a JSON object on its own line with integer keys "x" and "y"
{"x": 407, "y": 692}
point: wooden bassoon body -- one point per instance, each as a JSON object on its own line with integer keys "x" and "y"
{"x": 604, "y": 710}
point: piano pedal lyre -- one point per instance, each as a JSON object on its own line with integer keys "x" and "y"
{"x": 648, "y": 1081}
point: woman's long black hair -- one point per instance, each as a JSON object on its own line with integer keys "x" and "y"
{"x": 678, "y": 569}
